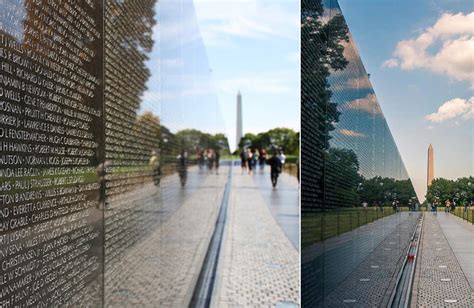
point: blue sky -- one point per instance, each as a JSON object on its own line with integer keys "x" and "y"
{"x": 420, "y": 55}
{"x": 253, "y": 46}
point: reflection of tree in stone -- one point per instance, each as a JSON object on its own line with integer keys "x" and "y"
{"x": 150, "y": 121}
{"x": 129, "y": 139}
{"x": 193, "y": 139}
{"x": 385, "y": 190}
{"x": 342, "y": 190}
{"x": 321, "y": 51}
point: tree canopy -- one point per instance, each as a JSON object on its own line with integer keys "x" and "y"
{"x": 442, "y": 189}
{"x": 280, "y": 137}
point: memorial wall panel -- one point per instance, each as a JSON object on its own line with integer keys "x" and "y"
{"x": 50, "y": 128}
{"x": 110, "y": 138}
{"x": 356, "y": 186}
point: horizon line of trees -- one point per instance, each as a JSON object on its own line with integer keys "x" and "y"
{"x": 279, "y": 137}
{"x": 441, "y": 189}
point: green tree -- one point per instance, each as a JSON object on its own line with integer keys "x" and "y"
{"x": 443, "y": 189}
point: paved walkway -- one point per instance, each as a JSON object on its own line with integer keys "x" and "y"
{"x": 283, "y": 202}
{"x": 161, "y": 270}
{"x": 460, "y": 236}
{"x": 439, "y": 278}
{"x": 258, "y": 266}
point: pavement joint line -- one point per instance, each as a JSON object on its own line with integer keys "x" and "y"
{"x": 401, "y": 297}
{"x": 204, "y": 289}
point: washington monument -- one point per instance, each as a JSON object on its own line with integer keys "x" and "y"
{"x": 430, "y": 174}
{"x": 239, "y": 119}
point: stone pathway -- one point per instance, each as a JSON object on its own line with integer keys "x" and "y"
{"x": 439, "y": 279}
{"x": 460, "y": 235}
{"x": 162, "y": 269}
{"x": 283, "y": 202}
{"x": 258, "y": 266}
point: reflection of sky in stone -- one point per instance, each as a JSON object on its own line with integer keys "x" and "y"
{"x": 12, "y": 16}
{"x": 361, "y": 126}
{"x": 180, "y": 88}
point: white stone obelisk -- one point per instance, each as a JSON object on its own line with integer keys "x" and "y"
{"x": 430, "y": 174}
{"x": 239, "y": 120}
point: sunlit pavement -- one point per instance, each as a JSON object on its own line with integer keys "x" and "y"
{"x": 258, "y": 265}
{"x": 460, "y": 236}
{"x": 441, "y": 278}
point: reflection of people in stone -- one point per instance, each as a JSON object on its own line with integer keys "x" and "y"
{"x": 155, "y": 167}
{"x": 262, "y": 158}
{"x": 182, "y": 167}
{"x": 101, "y": 171}
{"x": 200, "y": 157}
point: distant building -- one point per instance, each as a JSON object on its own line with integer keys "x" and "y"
{"x": 430, "y": 173}
{"x": 239, "y": 119}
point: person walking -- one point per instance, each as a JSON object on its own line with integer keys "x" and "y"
{"x": 447, "y": 204}
{"x": 262, "y": 158}
{"x": 380, "y": 206}
{"x": 210, "y": 160}
{"x": 243, "y": 160}
{"x": 254, "y": 159}
{"x": 275, "y": 168}
{"x": 249, "y": 160}
{"x": 282, "y": 156}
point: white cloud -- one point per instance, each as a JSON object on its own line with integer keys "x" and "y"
{"x": 454, "y": 33}
{"x": 222, "y": 20}
{"x": 455, "y": 109}
{"x": 390, "y": 63}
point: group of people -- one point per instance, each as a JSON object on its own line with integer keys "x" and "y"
{"x": 451, "y": 204}
{"x": 249, "y": 158}
{"x": 209, "y": 158}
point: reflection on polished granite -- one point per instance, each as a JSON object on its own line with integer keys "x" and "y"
{"x": 350, "y": 162}
{"x": 94, "y": 120}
